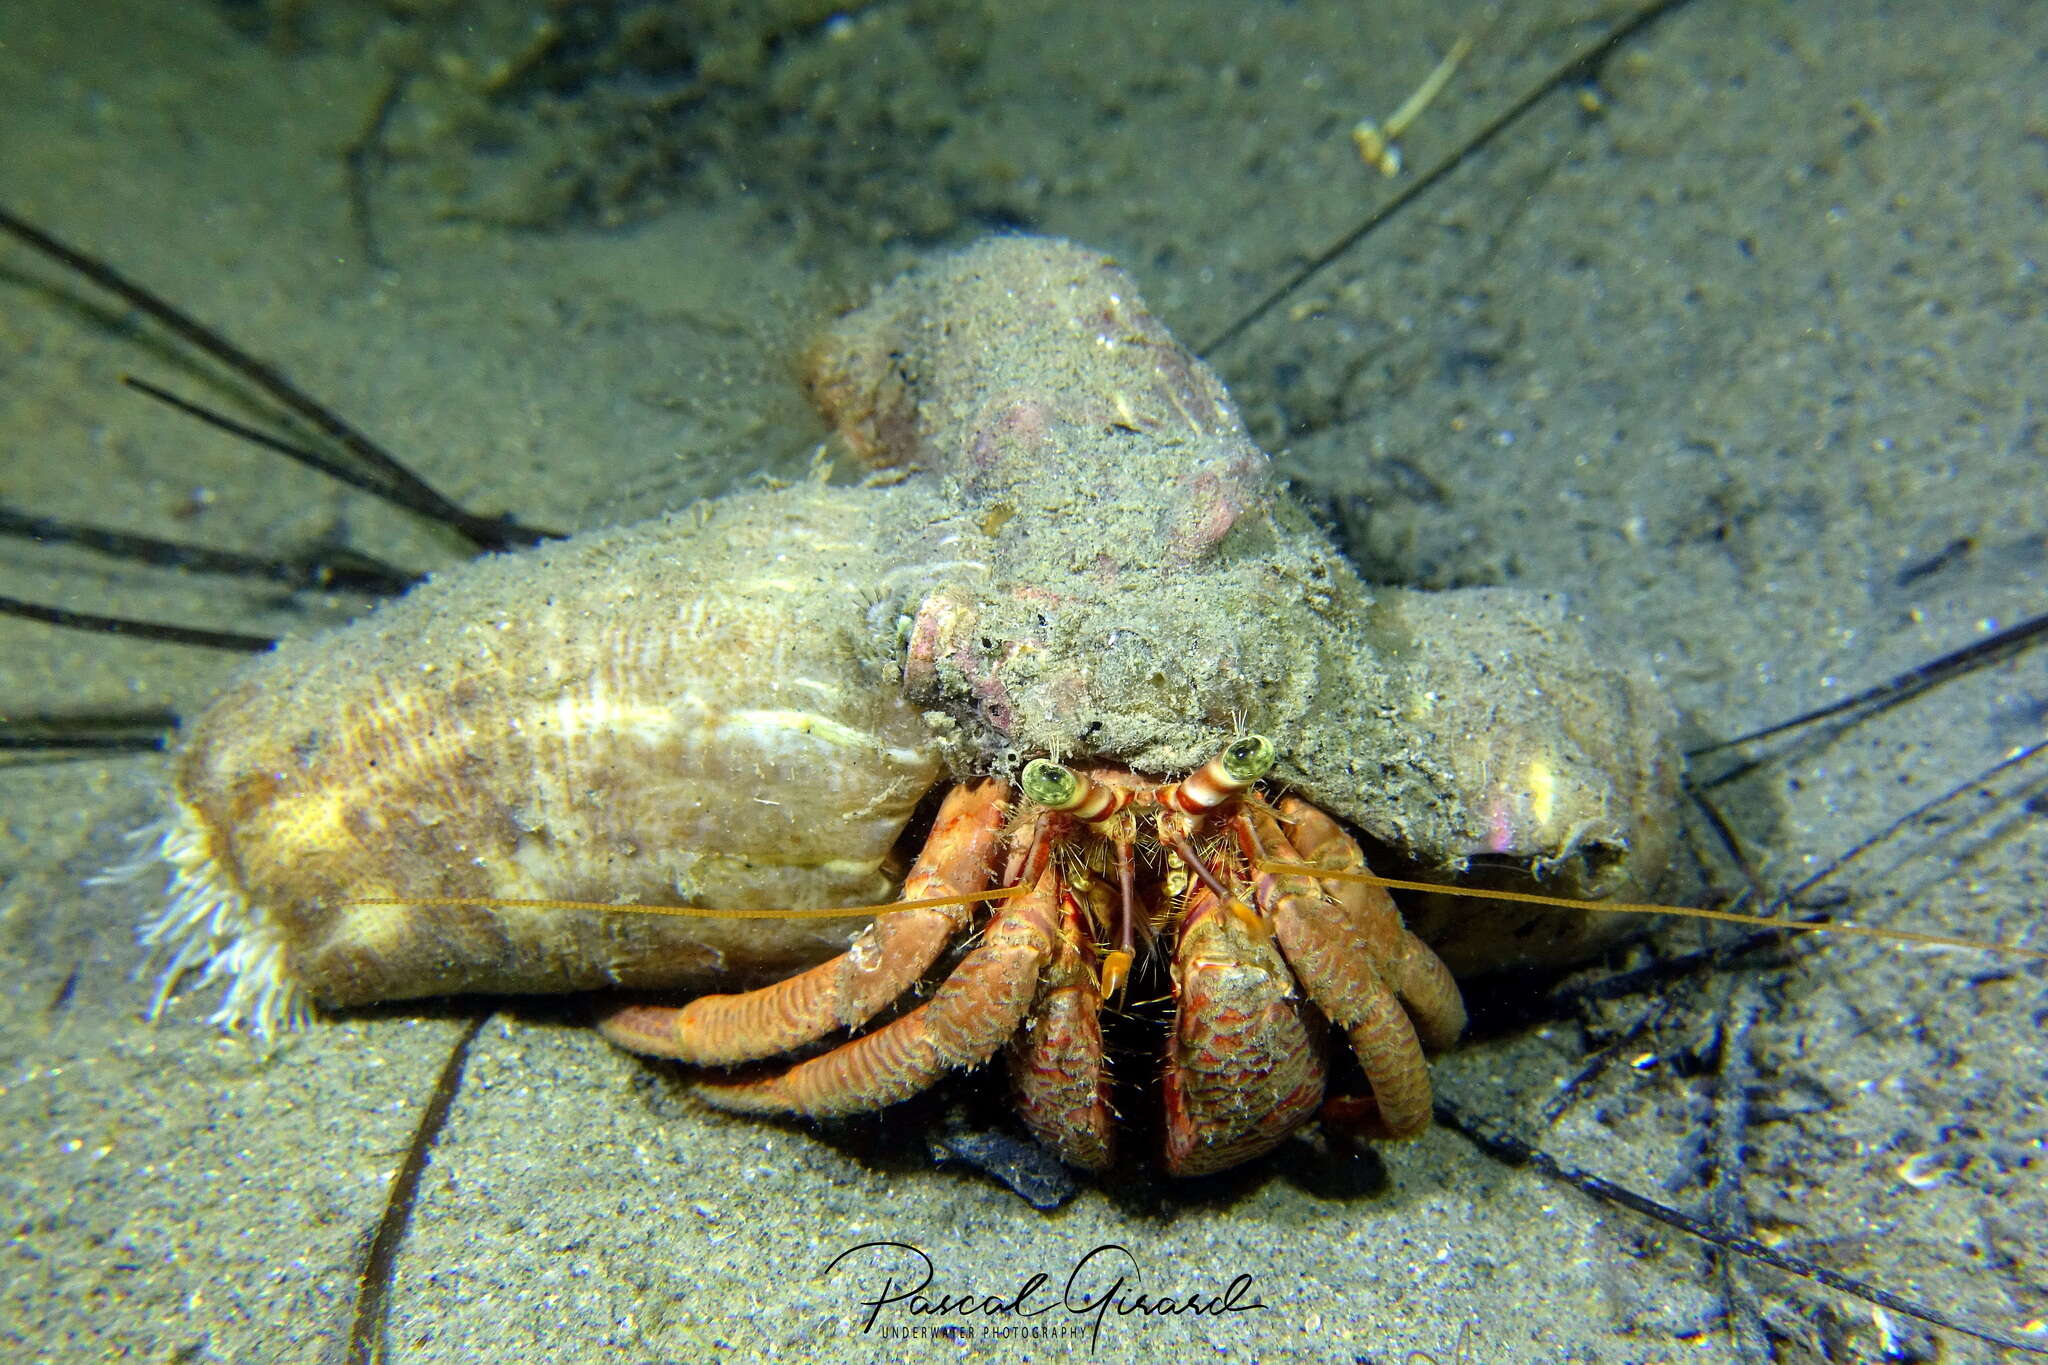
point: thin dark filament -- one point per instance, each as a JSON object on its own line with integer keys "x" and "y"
{"x": 325, "y": 465}
{"x": 1636, "y": 980}
{"x": 74, "y": 724}
{"x": 232, "y": 641}
{"x": 1735, "y": 1014}
{"x": 1724, "y": 833}
{"x": 1598, "y": 1064}
{"x": 1911, "y": 683}
{"x": 1559, "y": 1004}
{"x": 1578, "y": 70}
{"x": 102, "y": 744}
{"x": 1796, "y": 893}
{"x": 366, "y": 1337}
{"x": 489, "y": 533}
{"x": 1506, "y": 1147}
{"x": 344, "y": 570}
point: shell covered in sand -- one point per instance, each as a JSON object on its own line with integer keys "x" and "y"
{"x": 686, "y": 711}
{"x": 1126, "y": 580}
{"x": 1079, "y": 553}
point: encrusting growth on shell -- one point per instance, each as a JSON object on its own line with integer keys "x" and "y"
{"x": 1085, "y": 576}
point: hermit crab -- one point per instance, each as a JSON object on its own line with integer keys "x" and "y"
{"x": 1242, "y": 1069}
{"x": 1066, "y": 651}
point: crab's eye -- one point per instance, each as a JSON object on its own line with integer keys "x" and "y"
{"x": 1248, "y": 758}
{"x": 1050, "y": 784}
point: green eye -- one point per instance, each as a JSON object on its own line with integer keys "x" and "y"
{"x": 1049, "y": 785}
{"x": 1249, "y": 758}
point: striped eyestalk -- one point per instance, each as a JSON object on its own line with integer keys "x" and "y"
{"x": 1059, "y": 788}
{"x": 1242, "y": 763}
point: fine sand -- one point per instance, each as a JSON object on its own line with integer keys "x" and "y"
{"x": 1744, "y": 364}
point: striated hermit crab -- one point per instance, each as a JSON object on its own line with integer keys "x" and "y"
{"x": 1070, "y": 594}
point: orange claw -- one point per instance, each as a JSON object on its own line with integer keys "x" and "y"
{"x": 849, "y": 990}
{"x": 1116, "y": 969}
{"x": 1057, "y": 1067}
{"x": 974, "y": 1012}
{"x": 1249, "y": 919}
{"x": 1242, "y": 1068}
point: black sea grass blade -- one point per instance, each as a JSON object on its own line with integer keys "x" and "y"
{"x": 229, "y": 640}
{"x": 77, "y": 733}
{"x": 1579, "y": 70}
{"x": 486, "y": 533}
{"x": 327, "y": 466}
{"x": 336, "y": 570}
{"x": 1965, "y": 659}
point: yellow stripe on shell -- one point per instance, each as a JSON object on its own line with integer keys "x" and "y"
{"x": 688, "y": 911}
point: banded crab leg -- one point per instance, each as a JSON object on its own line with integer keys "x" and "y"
{"x": 1425, "y": 986}
{"x": 974, "y": 1011}
{"x": 890, "y": 956}
{"x": 1057, "y": 1067}
{"x": 1364, "y": 970}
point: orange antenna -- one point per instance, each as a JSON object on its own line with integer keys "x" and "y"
{"x": 1638, "y": 908}
{"x": 690, "y": 911}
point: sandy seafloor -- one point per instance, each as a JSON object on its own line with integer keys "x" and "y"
{"x": 1747, "y": 366}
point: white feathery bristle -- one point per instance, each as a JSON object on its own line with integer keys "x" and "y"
{"x": 208, "y": 924}
{"x": 148, "y": 841}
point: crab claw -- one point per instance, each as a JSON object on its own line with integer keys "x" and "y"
{"x": 846, "y": 992}
{"x": 1243, "y": 1069}
{"x": 1057, "y": 1067}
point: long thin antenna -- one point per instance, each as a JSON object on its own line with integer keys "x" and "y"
{"x": 1644, "y": 908}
